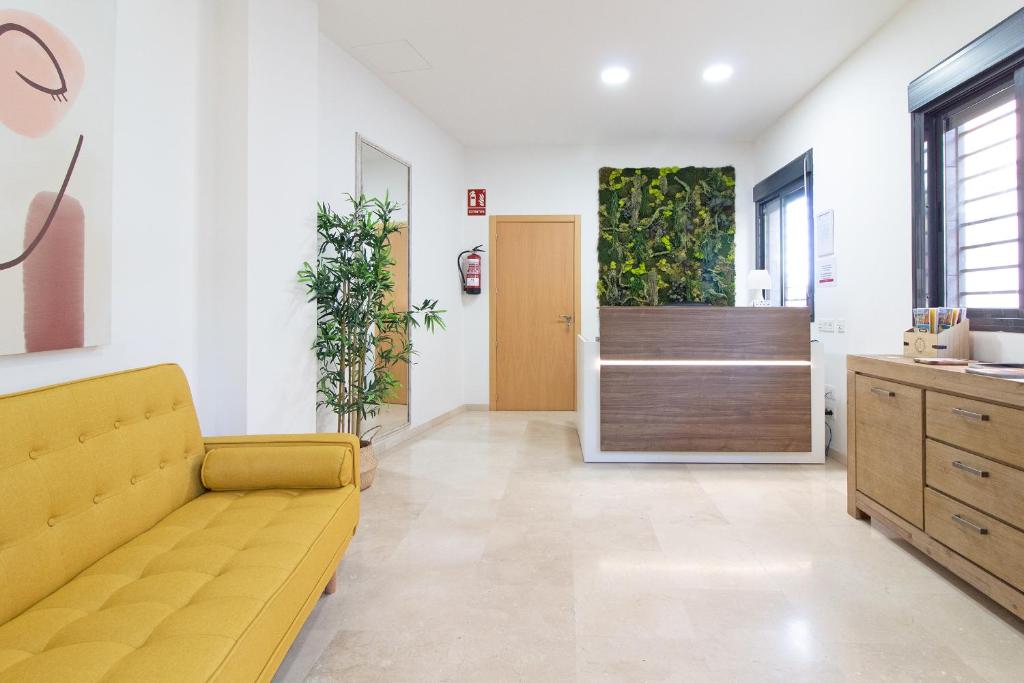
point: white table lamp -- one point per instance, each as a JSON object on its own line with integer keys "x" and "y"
{"x": 760, "y": 280}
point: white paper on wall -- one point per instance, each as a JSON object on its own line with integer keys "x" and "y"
{"x": 824, "y": 234}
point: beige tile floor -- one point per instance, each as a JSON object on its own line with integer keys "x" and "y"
{"x": 488, "y": 551}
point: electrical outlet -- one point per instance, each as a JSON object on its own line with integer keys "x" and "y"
{"x": 840, "y": 327}
{"x": 826, "y": 326}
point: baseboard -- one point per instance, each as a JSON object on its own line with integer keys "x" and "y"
{"x": 477, "y": 407}
{"x": 838, "y": 456}
{"x": 409, "y": 433}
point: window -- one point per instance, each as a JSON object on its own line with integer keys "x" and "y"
{"x": 968, "y": 219}
{"x": 785, "y": 234}
{"x": 983, "y": 244}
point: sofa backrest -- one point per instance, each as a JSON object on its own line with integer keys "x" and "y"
{"x": 84, "y": 468}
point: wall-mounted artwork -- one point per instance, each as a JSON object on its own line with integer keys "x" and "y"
{"x": 667, "y": 236}
{"x": 56, "y": 128}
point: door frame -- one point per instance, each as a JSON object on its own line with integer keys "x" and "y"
{"x": 491, "y": 300}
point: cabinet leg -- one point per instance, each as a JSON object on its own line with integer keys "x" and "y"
{"x": 332, "y": 585}
{"x": 857, "y": 513}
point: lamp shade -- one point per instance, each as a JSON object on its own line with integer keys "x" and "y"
{"x": 759, "y": 279}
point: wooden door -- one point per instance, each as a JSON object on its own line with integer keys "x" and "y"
{"x": 400, "y": 297}
{"x": 534, "y": 287}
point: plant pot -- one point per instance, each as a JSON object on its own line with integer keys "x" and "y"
{"x": 367, "y": 465}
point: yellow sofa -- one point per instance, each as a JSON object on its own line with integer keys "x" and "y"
{"x": 117, "y": 564}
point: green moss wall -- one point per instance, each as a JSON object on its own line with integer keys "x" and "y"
{"x": 667, "y": 236}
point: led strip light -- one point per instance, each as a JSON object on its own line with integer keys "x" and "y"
{"x": 781, "y": 363}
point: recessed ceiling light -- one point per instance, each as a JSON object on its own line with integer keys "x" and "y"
{"x": 716, "y": 73}
{"x": 615, "y": 75}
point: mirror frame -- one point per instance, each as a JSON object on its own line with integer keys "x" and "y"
{"x": 360, "y": 141}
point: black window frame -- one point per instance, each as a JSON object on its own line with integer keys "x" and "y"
{"x": 799, "y": 171}
{"x": 995, "y": 59}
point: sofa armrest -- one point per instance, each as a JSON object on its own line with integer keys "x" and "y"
{"x": 250, "y": 460}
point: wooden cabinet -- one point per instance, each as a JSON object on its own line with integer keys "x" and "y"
{"x": 979, "y": 482}
{"x": 938, "y": 455}
{"x": 890, "y": 450}
{"x": 978, "y": 426}
{"x": 992, "y": 545}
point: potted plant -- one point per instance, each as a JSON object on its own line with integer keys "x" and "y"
{"x": 360, "y": 335}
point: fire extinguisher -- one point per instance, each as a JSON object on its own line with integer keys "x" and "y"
{"x": 471, "y": 275}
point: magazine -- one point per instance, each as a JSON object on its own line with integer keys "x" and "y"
{"x": 933, "y": 320}
{"x": 1006, "y": 370}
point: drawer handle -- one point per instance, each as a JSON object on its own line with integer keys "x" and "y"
{"x": 969, "y": 524}
{"x": 970, "y": 415}
{"x": 885, "y": 393}
{"x": 970, "y": 470}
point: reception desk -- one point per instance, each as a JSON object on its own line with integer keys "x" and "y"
{"x": 701, "y": 384}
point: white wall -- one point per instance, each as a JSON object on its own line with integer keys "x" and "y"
{"x": 259, "y": 165}
{"x": 282, "y": 168}
{"x": 563, "y": 180}
{"x": 155, "y": 202}
{"x": 353, "y": 100}
{"x": 856, "y": 121}
{"x": 220, "y": 298}
{"x": 218, "y": 164}
{"x": 213, "y": 209}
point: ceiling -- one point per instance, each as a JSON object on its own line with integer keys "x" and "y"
{"x": 505, "y": 72}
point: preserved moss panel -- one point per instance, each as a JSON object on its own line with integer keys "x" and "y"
{"x": 667, "y": 236}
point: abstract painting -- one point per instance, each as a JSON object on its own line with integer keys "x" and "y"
{"x": 56, "y": 146}
{"x": 667, "y": 236}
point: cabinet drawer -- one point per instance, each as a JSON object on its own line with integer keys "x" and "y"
{"x": 993, "y": 488}
{"x": 890, "y": 446}
{"x": 983, "y": 540}
{"x": 993, "y": 431}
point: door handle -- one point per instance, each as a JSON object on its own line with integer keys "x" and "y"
{"x": 883, "y": 392}
{"x": 567, "y": 319}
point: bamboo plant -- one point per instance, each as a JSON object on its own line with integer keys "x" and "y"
{"x": 360, "y": 334}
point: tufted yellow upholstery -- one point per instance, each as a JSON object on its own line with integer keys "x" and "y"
{"x": 84, "y": 468}
{"x": 114, "y": 563}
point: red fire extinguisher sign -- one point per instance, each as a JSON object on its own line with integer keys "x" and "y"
{"x": 476, "y": 202}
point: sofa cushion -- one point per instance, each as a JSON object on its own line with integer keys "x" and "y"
{"x": 211, "y": 591}
{"x": 84, "y": 468}
{"x": 300, "y": 466}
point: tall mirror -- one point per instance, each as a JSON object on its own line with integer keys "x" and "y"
{"x": 380, "y": 173}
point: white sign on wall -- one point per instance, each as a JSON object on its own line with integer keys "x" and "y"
{"x": 825, "y": 275}
{"x": 825, "y": 233}
{"x": 825, "y": 249}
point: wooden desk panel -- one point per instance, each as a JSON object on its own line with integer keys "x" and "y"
{"x": 705, "y": 333}
{"x": 706, "y": 408}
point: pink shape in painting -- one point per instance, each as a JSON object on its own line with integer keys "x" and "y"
{"x": 54, "y": 276}
{"x": 41, "y": 74}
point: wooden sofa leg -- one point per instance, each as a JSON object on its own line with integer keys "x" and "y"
{"x": 332, "y": 585}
